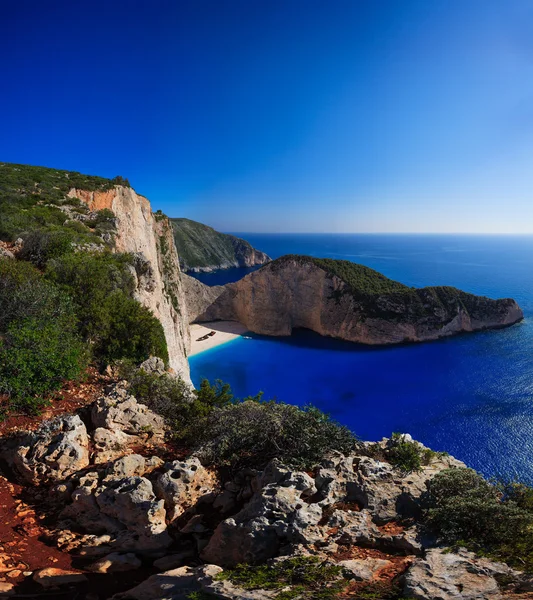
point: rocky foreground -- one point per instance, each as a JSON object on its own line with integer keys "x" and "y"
{"x": 138, "y": 522}
{"x": 346, "y": 301}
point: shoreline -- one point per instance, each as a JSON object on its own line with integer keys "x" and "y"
{"x": 225, "y": 331}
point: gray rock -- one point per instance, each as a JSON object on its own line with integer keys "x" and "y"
{"x": 127, "y": 466}
{"x": 178, "y": 584}
{"x": 115, "y": 563}
{"x": 110, "y": 445}
{"x": 52, "y": 453}
{"x": 153, "y": 365}
{"x": 183, "y": 484}
{"x": 364, "y": 569}
{"x": 446, "y": 576}
{"x": 125, "y": 508}
{"x": 276, "y": 515}
{"x": 119, "y": 411}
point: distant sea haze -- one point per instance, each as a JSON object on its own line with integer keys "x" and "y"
{"x": 470, "y": 395}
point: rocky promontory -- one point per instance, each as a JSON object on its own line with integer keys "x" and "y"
{"x": 347, "y": 301}
{"x": 202, "y": 249}
{"x": 112, "y": 510}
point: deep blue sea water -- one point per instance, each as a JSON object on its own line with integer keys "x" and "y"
{"x": 470, "y": 395}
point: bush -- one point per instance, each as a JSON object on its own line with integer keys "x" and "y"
{"x": 116, "y": 325}
{"x": 183, "y": 408}
{"x": 465, "y": 509}
{"x": 251, "y": 433}
{"x": 39, "y": 344}
{"x": 294, "y": 578}
{"x": 40, "y": 246}
{"x": 129, "y": 331}
{"x": 35, "y": 357}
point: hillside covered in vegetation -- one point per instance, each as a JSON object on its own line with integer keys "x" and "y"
{"x": 66, "y": 300}
{"x": 202, "y": 248}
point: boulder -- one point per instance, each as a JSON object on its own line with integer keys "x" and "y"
{"x": 119, "y": 411}
{"x": 109, "y": 445}
{"x": 275, "y": 516}
{"x": 179, "y": 584}
{"x": 126, "y": 508}
{"x": 56, "y": 450}
{"x": 442, "y": 575}
{"x": 115, "y": 563}
{"x": 153, "y": 365}
{"x": 364, "y": 569}
{"x": 52, "y": 577}
{"x": 183, "y": 484}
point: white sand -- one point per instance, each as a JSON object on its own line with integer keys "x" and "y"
{"x": 225, "y": 331}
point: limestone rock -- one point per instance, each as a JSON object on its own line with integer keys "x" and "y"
{"x": 115, "y": 563}
{"x": 126, "y": 508}
{"x": 297, "y": 292}
{"x": 119, "y": 411}
{"x": 446, "y": 576}
{"x": 140, "y": 232}
{"x": 364, "y": 569}
{"x": 110, "y": 445}
{"x": 276, "y": 515}
{"x": 178, "y": 584}
{"x": 153, "y": 365}
{"x": 52, "y": 577}
{"x": 182, "y": 484}
{"x": 53, "y": 452}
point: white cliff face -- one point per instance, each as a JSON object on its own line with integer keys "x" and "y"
{"x": 157, "y": 271}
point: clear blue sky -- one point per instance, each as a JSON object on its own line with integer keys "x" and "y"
{"x": 283, "y": 115}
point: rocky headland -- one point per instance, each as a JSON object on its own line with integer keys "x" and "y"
{"x": 203, "y": 249}
{"x": 347, "y": 301}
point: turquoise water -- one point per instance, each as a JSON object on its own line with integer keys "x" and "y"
{"x": 471, "y": 395}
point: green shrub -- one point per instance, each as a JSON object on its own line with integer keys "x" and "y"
{"x": 129, "y": 331}
{"x": 40, "y": 246}
{"x": 184, "y": 409}
{"x": 251, "y": 433}
{"x": 117, "y": 326}
{"x": 35, "y": 358}
{"x": 304, "y": 576}
{"x": 465, "y": 509}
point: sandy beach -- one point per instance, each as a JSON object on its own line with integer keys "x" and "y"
{"x": 225, "y": 331}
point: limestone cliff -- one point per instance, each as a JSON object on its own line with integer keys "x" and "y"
{"x": 202, "y": 248}
{"x": 149, "y": 237}
{"x": 351, "y": 302}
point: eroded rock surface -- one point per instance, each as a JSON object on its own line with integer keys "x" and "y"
{"x": 54, "y": 451}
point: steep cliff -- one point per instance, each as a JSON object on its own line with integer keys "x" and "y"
{"x": 157, "y": 270}
{"x": 343, "y": 300}
{"x": 202, "y": 248}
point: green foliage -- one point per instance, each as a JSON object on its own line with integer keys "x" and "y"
{"x": 306, "y": 577}
{"x": 130, "y": 331}
{"x": 117, "y": 326}
{"x": 380, "y": 297}
{"x": 40, "y": 246}
{"x": 39, "y": 344}
{"x": 404, "y": 454}
{"x": 465, "y": 509}
{"x": 35, "y": 358}
{"x": 184, "y": 410}
{"x": 379, "y": 590}
{"x": 30, "y": 197}
{"x": 231, "y": 433}
{"x": 252, "y": 432}
{"x": 201, "y": 246}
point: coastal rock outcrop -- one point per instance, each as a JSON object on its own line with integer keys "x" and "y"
{"x": 52, "y": 453}
{"x": 156, "y": 272}
{"x": 351, "y": 302}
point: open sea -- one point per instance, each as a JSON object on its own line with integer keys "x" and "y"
{"x": 471, "y": 395}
